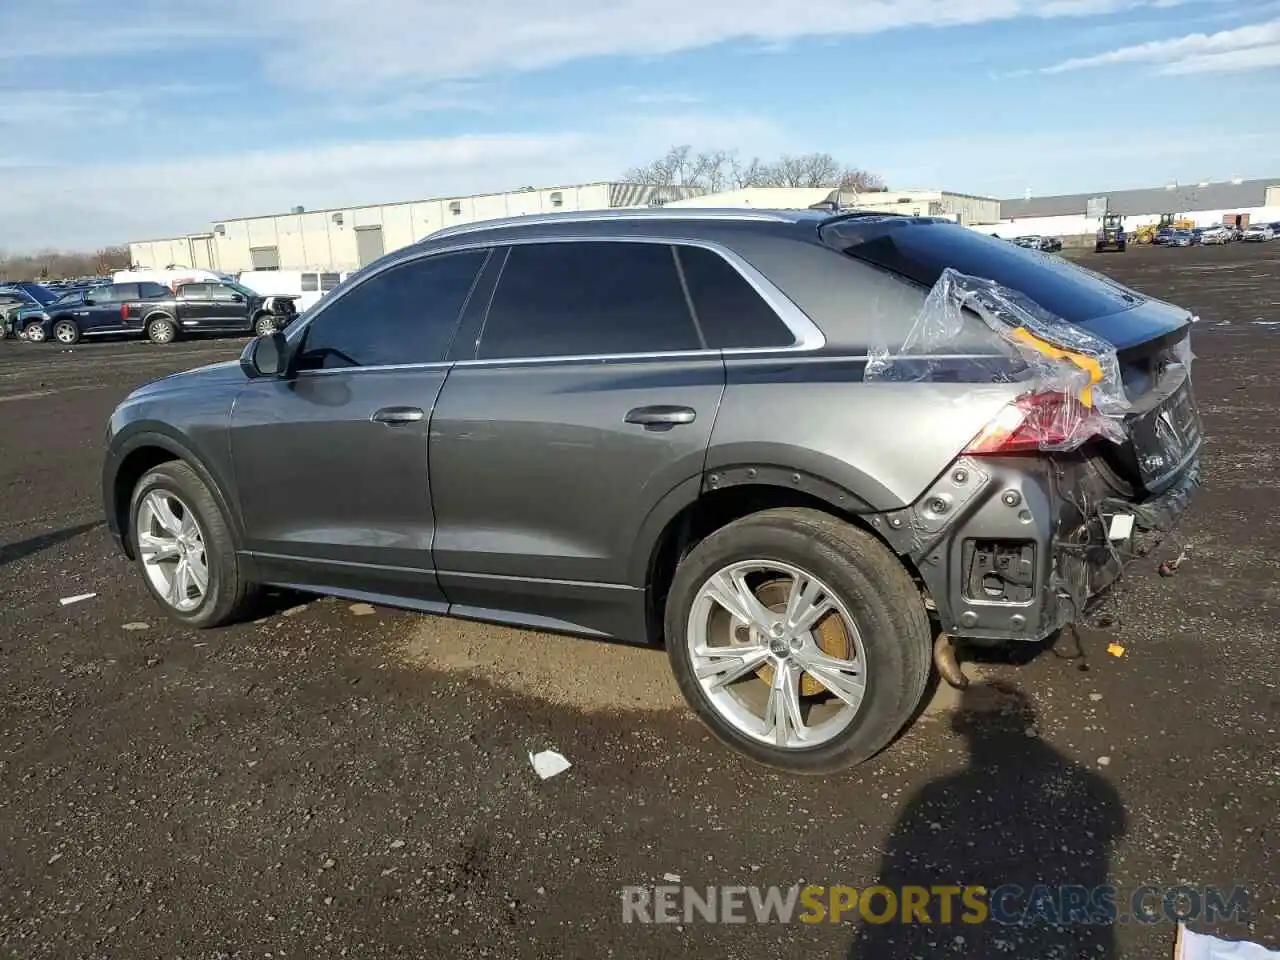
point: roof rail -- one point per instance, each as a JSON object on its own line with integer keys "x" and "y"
{"x": 624, "y": 213}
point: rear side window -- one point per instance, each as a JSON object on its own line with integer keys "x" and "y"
{"x": 153, "y": 291}
{"x": 405, "y": 314}
{"x": 921, "y": 251}
{"x": 588, "y": 298}
{"x": 310, "y": 282}
{"x": 729, "y": 310}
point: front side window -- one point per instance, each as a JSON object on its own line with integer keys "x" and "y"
{"x": 588, "y": 298}
{"x": 194, "y": 291}
{"x": 68, "y": 299}
{"x": 730, "y": 311}
{"x": 405, "y": 314}
{"x": 226, "y": 293}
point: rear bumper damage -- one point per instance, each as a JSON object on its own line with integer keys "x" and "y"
{"x": 1016, "y": 548}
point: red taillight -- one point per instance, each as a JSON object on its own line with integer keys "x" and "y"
{"x": 1039, "y": 421}
{"x": 124, "y": 311}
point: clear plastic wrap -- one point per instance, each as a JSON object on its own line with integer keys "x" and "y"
{"x": 1074, "y": 391}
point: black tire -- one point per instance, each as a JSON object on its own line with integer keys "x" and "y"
{"x": 34, "y": 333}
{"x": 66, "y": 333}
{"x": 879, "y": 595}
{"x": 162, "y": 329}
{"x": 228, "y": 597}
{"x": 264, "y": 324}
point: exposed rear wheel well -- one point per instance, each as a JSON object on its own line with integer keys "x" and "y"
{"x": 132, "y": 469}
{"x": 709, "y": 513}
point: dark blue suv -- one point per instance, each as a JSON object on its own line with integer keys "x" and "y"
{"x": 90, "y": 312}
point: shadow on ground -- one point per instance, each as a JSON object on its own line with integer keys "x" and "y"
{"x": 1020, "y": 820}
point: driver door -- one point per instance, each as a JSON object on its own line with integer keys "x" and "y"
{"x": 331, "y": 460}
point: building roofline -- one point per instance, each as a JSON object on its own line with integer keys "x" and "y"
{"x": 445, "y": 199}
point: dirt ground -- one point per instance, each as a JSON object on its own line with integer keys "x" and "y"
{"x": 332, "y": 781}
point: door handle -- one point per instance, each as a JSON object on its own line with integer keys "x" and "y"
{"x": 394, "y": 415}
{"x": 660, "y": 417}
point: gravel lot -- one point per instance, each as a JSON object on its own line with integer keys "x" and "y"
{"x": 342, "y": 781}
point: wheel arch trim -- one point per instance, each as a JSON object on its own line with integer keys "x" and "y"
{"x": 157, "y": 436}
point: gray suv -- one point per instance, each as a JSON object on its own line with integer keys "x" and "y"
{"x": 659, "y": 426}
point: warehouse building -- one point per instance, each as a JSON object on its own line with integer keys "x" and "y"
{"x": 1205, "y": 203}
{"x": 345, "y": 238}
{"x": 962, "y": 207}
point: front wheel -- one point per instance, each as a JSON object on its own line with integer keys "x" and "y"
{"x": 184, "y": 547}
{"x": 66, "y": 333}
{"x": 34, "y": 333}
{"x": 800, "y": 640}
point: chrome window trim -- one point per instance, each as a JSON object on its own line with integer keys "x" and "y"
{"x": 808, "y": 337}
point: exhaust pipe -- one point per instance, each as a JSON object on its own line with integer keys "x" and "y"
{"x": 944, "y": 658}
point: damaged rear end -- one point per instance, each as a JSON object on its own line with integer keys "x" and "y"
{"x": 1090, "y": 465}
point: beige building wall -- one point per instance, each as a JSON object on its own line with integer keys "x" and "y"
{"x": 333, "y": 239}
{"x": 327, "y": 239}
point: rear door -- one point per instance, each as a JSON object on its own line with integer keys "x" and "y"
{"x": 195, "y": 306}
{"x": 589, "y": 397}
{"x": 100, "y": 312}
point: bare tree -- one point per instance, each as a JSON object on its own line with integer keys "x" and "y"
{"x": 721, "y": 170}
{"x": 59, "y": 264}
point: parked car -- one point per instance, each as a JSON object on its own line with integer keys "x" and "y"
{"x": 1179, "y": 238}
{"x": 1163, "y": 236}
{"x": 207, "y": 307}
{"x": 654, "y": 425}
{"x": 1259, "y": 233}
{"x": 1218, "y": 234}
{"x": 90, "y": 312}
{"x": 1046, "y": 244}
{"x": 19, "y": 302}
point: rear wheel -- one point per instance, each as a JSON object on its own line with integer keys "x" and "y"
{"x": 184, "y": 548}
{"x": 161, "y": 330}
{"x": 800, "y": 640}
{"x": 66, "y": 332}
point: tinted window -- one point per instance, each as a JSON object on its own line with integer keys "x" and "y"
{"x": 194, "y": 291}
{"x": 76, "y": 296}
{"x": 922, "y": 251}
{"x": 153, "y": 291}
{"x": 225, "y": 293}
{"x": 588, "y": 298}
{"x": 730, "y": 311}
{"x": 402, "y": 315}
{"x": 310, "y": 282}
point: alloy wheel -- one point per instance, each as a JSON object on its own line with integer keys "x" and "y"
{"x": 777, "y": 654}
{"x": 172, "y": 547}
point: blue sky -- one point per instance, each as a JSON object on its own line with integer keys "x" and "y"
{"x": 148, "y": 118}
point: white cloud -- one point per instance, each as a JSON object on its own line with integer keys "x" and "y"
{"x": 83, "y": 207}
{"x": 1229, "y": 61}
{"x": 1194, "y": 53}
{"x": 341, "y": 44}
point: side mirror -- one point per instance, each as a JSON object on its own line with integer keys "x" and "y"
{"x": 265, "y": 356}
{"x": 238, "y": 297}
{"x": 90, "y": 302}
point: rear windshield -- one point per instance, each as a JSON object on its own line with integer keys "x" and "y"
{"x": 921, "y": 249}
